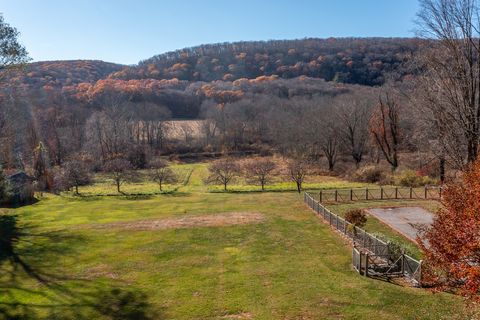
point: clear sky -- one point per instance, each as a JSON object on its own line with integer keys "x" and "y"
{"x": 126, "y": 31}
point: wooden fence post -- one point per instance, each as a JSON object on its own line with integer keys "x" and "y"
{"x": 320, "y": 196}
{"x": 381, "y": 193}
{"x": 351, "y": 194}
{"x": 396, "y": 192}
{"x": 411, "y": 192}
{"x": 420, "y": 273}
{"x": 366, "y": 193}
{"x": 426, "y": 190}
{"x": 336, "y": 195}
{"x": 366, "y": 265}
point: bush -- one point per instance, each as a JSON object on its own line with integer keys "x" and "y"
{"x": 370, "y": 174}
{"x": 410, "y": 178}
{"x": 357, "y": 217}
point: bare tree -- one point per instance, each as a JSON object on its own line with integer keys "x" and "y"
{"x": 353, "y": 115}
{"x": 107, "y": 129}
{"x": 453, "y": 74}
{"x": 41, "y": 168}
{"x": 161, "y": 173}
{"x": 223, "y": 172}
{"x": 385, "y": 128}
{"x": 120, "y": 170}
{"x": 297, "y": 171}
{"x": 260, "y": 171}
{"x": 329, "y": 142}
{"x": 77, "y": 173}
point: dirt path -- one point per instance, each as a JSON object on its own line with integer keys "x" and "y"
{"x": 210, "y": 220}
{"x": 406, "y": 220}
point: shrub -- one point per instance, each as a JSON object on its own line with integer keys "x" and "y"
{"x": 410, "y": 178}
{"x": 370, "y": 174}
{"x": 357, "y": 217}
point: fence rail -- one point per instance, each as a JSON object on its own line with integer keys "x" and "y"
{"x": 385, "y": 193}
{"x": 370, "y": 255}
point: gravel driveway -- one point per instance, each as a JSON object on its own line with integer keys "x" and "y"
{"x": 405, "y": 220}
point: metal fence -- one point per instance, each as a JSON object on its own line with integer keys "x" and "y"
{"x": 370, "y": 255}
{"x": 384, "y": 193}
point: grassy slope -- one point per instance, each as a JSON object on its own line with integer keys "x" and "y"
{"x": 290, "y": 267}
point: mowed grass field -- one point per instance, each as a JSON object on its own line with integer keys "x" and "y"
{"x": 165, "y": 256}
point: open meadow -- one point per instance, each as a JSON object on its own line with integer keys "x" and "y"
{"x": 191, "y": 253}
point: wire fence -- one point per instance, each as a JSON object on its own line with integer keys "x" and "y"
{"x": 384, "y": 193}
{"x": 371, "y": 256}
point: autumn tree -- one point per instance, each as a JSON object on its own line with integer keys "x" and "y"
{"x": 451, "y": 244}
{"x": 297, "y": 172}
{"x": 223, "y": 172}
{"x": 385, "y": 128}
{"x": 120, "y": 171}
{"x": 161, "y": 173}
{"x": 260, "y": 171}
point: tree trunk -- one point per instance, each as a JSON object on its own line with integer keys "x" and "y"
{"x": 76, "y": 189}
{"x": 442, "y": 169}
{"x": 331, "y": 165}
{"x": 299, "y": 186}
{"x": 118, "y": 186}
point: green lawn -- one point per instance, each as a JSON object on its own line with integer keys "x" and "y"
{"x": 290, "y": 266}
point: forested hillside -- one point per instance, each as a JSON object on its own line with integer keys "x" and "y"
{"x": 57, "y": 74}
{"x": 179, "y": 82}
{"x": 365, "y": 61}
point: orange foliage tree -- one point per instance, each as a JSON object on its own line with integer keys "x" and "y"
{"x": 452, "y": 244}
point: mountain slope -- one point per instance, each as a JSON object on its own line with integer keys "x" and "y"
{"x": 365, "y": 61}
{"x": 58, "y": 74}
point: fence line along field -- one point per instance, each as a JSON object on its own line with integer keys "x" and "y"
{"x": 178, "y": 255}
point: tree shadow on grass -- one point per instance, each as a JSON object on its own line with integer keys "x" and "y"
{"x": 33, "y": 284}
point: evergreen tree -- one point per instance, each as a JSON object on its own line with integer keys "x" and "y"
{"x": 5, "y": 191}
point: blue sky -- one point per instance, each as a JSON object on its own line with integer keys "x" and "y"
{"x": 126, "y": 31}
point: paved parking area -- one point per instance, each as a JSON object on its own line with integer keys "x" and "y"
{"x": 405, "y": 220}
